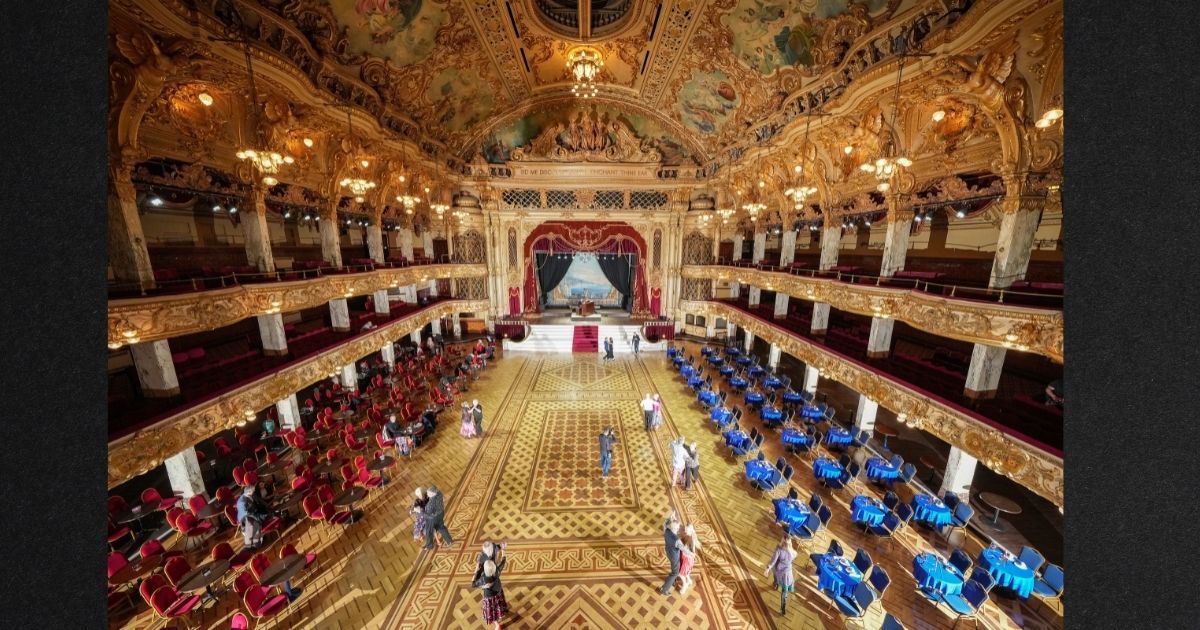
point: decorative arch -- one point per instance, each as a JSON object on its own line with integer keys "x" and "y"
{"x": 613, "y": 237}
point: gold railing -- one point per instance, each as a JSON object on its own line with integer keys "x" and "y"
{"x": 142, "y": 450}
{"x": 1024, "y": 463}
{"x": 1031, "y": 329}
{"x": 140, "y": 320}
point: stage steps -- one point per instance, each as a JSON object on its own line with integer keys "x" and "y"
{"x": 587, "y": 339}
{"x": 561, "y": 338}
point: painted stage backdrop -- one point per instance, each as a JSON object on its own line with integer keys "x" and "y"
{"x": 584, "y": 279}
{"x": 498, "y": 147}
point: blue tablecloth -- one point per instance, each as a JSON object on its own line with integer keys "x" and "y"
{"x": 795, "y": 437}
{"x": 791, "y": 397}
{"x": 715, "y": 360}
{"x": 735, "y": 437}
{"x": 826, "y": 468}
{"x": 738, "y": 382}
{"x": 708, "y": 397}
{"x": 772, "y": 414}
{"x": 733, "y": 352}
{"x": 705, "y": 351}
{"x": 694, "y": 381}
{"x": 758, "y": 469}
{"x": 1009, "y": 572}
{"x": 867, "y": 510}
{"x": 720, "y": 414}
{"x": 791, "y": 512}
{"x": 934, "y": 574}
{"x": 838, "y": 436}
{"x": 927, "y": 509}
{"x": 755, "y": 371}
{"x": 812, "y": 411}
{"x": 686, "y": 370}
{"x": 671, "y": 352}
{"x": 678, "y": 360}
{"x": 743, "y": 360}
{"x": 725, "y": 370}
{"x": 772, "y": 382}
{"x": 881, "y": 469}
{"x": 837, "y": 575}
{"x": 754, "y": 398}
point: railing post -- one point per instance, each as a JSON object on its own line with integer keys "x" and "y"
{"x": 1001, "y": 296}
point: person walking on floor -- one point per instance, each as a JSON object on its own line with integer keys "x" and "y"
{"x": 691, "y": 472}
{"x": 648, "y": 412}
{"x": 467, "y": 422}
{"x": 495, "y": 607}
{"x": 491, "y": 552}
{"x": 607, "y": 439}
{"x": 658, "y": 414}
{"x": 637, "y": 340}
{"x": 781, "y": 563}
{"x": 608, "y": 349}
{"x": 418, "y": 512}
{"x": 689, "y": 550}
{"x": 435, "y": 515}
{"x": 477, "y": 416}
{"x": 679, "y": 456}
{"x": 671, "y": 547}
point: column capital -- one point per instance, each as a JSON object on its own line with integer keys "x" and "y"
{"x": 1023, "y": 192}
{"x": 329, "y": 210}
{"x": 899, "y": 207}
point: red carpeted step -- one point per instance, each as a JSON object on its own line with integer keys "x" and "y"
{"x": 586, "y": 339}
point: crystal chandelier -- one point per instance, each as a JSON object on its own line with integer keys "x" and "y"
{"x": 584, "y": 64}
{"x": 264, "y": 161}
{"x": 800, "y": 192}
{"x": 892, "y": 161}
{"x": 357, "y": 185}
{"x": 726, "y": 211}
{"x": 461, "y": 215}
{"x": 408, "y": 201}
{"x": 440, "y": 209}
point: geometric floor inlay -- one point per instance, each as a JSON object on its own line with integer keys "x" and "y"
{"x": 567, "y": 462}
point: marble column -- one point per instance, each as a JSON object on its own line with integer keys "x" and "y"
{"x": 436, "y": 326}
{"x": 388, "y": 353}
{"x": 127, "y": 253}
{"x": 710, "y": 328}
{"x": 289, "y": 412}
{"x": 427, "y": 243}
{"x": 255, "y": 233}
{"x": 339, "y": 315}
{"x": 983, "y": 375}
{"x": 879, "y": 344}
{"x": 406, "y": 243}
{"x": 375, "y": 238}
{"x": 155, "y": 371}
{"x": 960, "y": 470}
{"x": 183, "y": 471}
{"x": 831, "y": 238}
{"x": 331, "y": 244}
{"x": 811, "y": 376}
{"x": 748, "y": 342}
{"x": 456, "y": 326}
{"x": 273, "y": 335}
{"x": 864, "y": 415}
{"x": 415, "y": 336}
{"x": 735, "y": 287}
{"x": 349, "y": 376}
{"x": 382, "y": 302}
{"x": 787, "y": 254}
{"x": 759, "y": 250}
{"x": 773, "y": 357}
{"x": 895, "y": 251}
{"x": 730, "y": 330}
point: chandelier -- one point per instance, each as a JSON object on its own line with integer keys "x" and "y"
{"x": 262, "y": 160}
{"x": 892, "y": 161}
{"x": 800, "y": 192}
{"x": 440, "y": 209}
{"x": 756, "y": 204}
{"x": 357, "y": 185}
{"x": 461, "y": 215}
{"x": 584, "y": 64}
{"x": 408, "y": 201}
{"x": 726, "y": 211}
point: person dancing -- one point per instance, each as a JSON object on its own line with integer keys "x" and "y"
{"x": 468, "y": 422}
{"x": 418, "y": 512}
{"x": 689, "y": 550}
{"x": 495, "y": 607}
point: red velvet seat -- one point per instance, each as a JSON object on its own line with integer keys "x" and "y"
{"x": 192, "y": 529}
{"x": 150, "y": 496}
{"x": 151, "y": 584}
{"x": 290, "y": 550}
{"x": 260, "y": 603}
{"x": 169, "y": 603}
{"x": 116, "y": 562}
{"x": 258, "y": 565}
{"x": 175, "y": 569}
{"x": 224, "y": 551}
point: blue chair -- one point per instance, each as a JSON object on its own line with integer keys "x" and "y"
{"x": 891, "y": 500}
{"x": 907, "y": 472}
{"x": 855, "y": 606}
{"x": 888, "y": 528}
{"x": 1031, "y": 558}
{"x": 985, "y": 579}
{"x": 793, "y": 494}
{"x": 740, "y": 450}
{"x": 860, "y": 439}
{"x": 835, "y": 549}
{"x": 960, "y": 561}
{"x": 962, "y": 515}
{"x": 807, "y": 530}
{"x": 879, "y": 581}
{"x": 950, "y": 499}
{"x": 968, "y": 603}
{"x": 844, "y": 460}
{"x": 762, "y": 457}
{"x": 780, "y": 463}
{"x": 862, "y": 560}
{"x": 1049, "y": 584}
{"x": 891, "y": 623}
{"x": 814, "y": 502}
{"x": 896, "y": 461}
{"x": 836, "y": 483}
{"x": 766, "y": 485}
{"x": 904, "y": 512}
{"x": 824, "y": 514}
{"x": 853, "y": 472}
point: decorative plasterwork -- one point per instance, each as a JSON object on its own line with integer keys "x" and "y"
{"x": 163, "y": 317}
{"x": 141, "y": 451}
{"x": 1024, "y": 463}
{"x": 1029, "y": 329}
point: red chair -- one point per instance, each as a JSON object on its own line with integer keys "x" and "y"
{"x": 224, "y": 495}
{"x": 173, "y": 517}
{"x": 196, "y": 354}
{"x": 192, "y": 529}
{"x": 260, "y": 603}
{"x": 382, "y": 442}
{"x": 150, "y": 496}
{"x": 250, "y": 478}
{"x": 249, "y": 465}
{"x": 290, "y": 550}
{"x": 367, "y": 480}
{"x": 243, "y": 582}
{"x": 116, "y": 562}
{"x": 353, "y": 444}
{"x": 154, "y": 548}
{"x": 175, "y": 569}
{"x": 151, "y": 584}
{"x": 196, "y": 502}
{"x": 258, "y": 565}
{"x": 117, "y": 534}
{"x": 224, "y": 551}
{"x": 169, "y": 603}
{"x": 116, "y": 505}
{"x": 239, "y": 621}
{"x": 223, "y": 448}
{"x": 239, "y": 475}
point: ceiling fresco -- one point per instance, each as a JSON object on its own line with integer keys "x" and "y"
{"x": 401, "y": 31}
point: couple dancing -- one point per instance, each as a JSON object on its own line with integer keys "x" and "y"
{"x": 652, "y": 412}
{"x": 683, "y": 549}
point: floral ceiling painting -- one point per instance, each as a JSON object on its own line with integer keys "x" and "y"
{"x": 706, "y": 101}
{"x": 402, "y": 31}
{"x": 769, "y": 35}
{"x": 498, "y": 147}
{"x": 461, "y": 99}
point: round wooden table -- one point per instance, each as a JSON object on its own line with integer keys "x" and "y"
{"x": 379, "y": 464}
{"x": 932, "y": 461}
{"x": 212, "y": 510}
{"x": 327, "y": 468}
{"x": 998, "y": 504}
{"x": 887, "y": 432}
{"x": 282, "y": 570}
{"x": 137, "y": 569}
{"x": 203, "y": 577}
{"x": 348, "y": 498}
{"x": 343, "y": 415}
{"x": 287, "y": 502}
{"x": 363, "y": 434}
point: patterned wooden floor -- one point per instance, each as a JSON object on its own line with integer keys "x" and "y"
{"x": 586, "y": 552}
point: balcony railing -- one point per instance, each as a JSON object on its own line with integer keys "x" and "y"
{"x": 1032, "y": 329}
{"x": 145, "y": 319}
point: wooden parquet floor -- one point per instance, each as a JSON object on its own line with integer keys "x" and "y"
{"x": 585, "y": 552}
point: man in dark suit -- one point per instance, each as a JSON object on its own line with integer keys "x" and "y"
{"x": 435, "y": 515}
{"x": 477, "y": 416}
{"x": 671, "y": 546}
{"x": 607, "y": 439}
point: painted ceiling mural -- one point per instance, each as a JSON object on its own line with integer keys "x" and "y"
{"x": 401, "y": 31}
{"x": 771, "y": 34}
{"x": 500, "y": 144}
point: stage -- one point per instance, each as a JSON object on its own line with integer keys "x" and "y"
{"x": 602, "y": 316}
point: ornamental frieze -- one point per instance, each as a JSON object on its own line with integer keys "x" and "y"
{"x": 1023, "y": 328}
{"x": 139, "y": 452}
{"x": 139, "y": 320}
{"x": 1024, "y": 463}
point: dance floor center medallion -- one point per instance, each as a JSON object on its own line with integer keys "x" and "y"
{"x": 566, "y": 469}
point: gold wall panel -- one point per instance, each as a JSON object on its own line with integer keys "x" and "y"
{"x": 141, "y": 451}
{"x": 163, "y": 317}
{"x": 1025, "y": 328}
{"x": 1024, "y": 463}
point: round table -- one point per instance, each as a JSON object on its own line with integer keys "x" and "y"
{"x": 743, "y": 360}
{"x": 716, "y": 360}
{"x": 733, "y": 352}
{"x": 754, "y": 399}
{"x": 287, "y": 502}
{"x": 327, "y": 467}
{"x": 1009, "y": 572}
{"x": 795, "y": 437}
{"x": 998, "y": 504}
{"x": 755, "y": 371}
{"x": 349, "y": 497}
{"x": 757, "y": 469}
{"x": 879, "y": 469}
{"x": 686, "y": 370}
{"x": 203, "y": 577}
{"x": 772, "y": 414}
{"x": 267, "y": 470}
{"x": 867, "y": 510}
{"x": 837, "y": 575}
{"x": 887, "y": 432}
{"x": 694, "y": 381}
{"x": 738, "y": 382}
{"x": 772, "y": 382}
{"x": 137, "y": 569}
{"x": 791, "y": 397}
{"x": 343, "y": 415}
{"x": 931, "y": 461}
{"x": 826, "y": 468}
{"x": 838, "y": 436}
{"x": 136, "y": 513}
{"x": 282, "y": 570}
{"x": 708, "y": 397}
{"x": 363, "y": 434}
{"x": 735, "y": 437}
{"x": 931, "y": 510}
{"x": 933, "y": 574}
{"x": 791, "y": 512}
{"x": 381, "y": 463}
{"x": 725, "y": 370}
{"x": 212, "y": 510}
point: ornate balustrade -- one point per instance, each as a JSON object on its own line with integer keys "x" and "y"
{"x": 1024, "y": 328}
{"x": 1025, "y": 463}
{"x": 148, "y": 319}
{"x": 136, "y": 453}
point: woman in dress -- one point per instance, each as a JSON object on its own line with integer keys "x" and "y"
{"x": 689, "y": 549}
{"x": 468, "y": 422}
{"x": 658, "y": 415}
{"x": 495, "y": 607}
{"x": 418, "y": 512}
{"x": 781, "y": 562}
